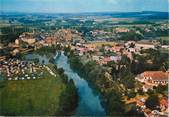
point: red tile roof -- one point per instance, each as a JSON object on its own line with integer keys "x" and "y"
{"x": 139, "y": 103}
{"x": 156, "y": 75}
{"x": 107, "y": 59}
{"x": 148, "y": 111}
{"x": 164, "y": 102}
{"x": 48, "y": 40}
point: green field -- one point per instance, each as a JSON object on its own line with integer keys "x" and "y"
{"x": 165, "y": 38}
{"x": 31, "y": 97}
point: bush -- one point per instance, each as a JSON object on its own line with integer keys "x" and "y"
{"x": 68, "y": 99}
{"x": 140, "y": 91}
{"x": 152, "y": 102}
{"x": 131, "y": 94}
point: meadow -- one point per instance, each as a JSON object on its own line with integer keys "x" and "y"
{"x": 31, "y": 97}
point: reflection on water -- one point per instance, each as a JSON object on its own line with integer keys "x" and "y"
{"x": 89, "y": 104}
{"x": 1, "y": 77}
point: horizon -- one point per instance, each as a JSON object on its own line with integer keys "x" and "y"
{"x": 86, "y": 6}
{"x": 19, "y": 12}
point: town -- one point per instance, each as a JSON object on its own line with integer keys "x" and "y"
{"x": 132, "y": 55}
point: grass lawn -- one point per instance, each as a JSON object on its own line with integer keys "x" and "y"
{"x": 31, "y": 97}
{"x": 165, "y": 38}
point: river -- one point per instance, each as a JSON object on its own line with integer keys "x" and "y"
{"x": 89, "y": 103}
{"x": 42, "y": 58}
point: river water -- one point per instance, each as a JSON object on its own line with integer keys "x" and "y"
{"x": 89, "y": 103}
{"x": 42, "y": 59}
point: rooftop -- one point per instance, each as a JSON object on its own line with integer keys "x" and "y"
{"x": 156, "y": 75}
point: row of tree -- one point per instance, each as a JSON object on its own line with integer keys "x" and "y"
{"x": 69, "y": 97}
{"x": 95, "y": 75}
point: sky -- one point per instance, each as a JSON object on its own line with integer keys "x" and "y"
{"x": 77, "y": 6}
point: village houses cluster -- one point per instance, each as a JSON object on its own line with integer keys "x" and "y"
{"x": 163, "y": 106}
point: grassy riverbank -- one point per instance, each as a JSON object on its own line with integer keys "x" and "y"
{"x": 31, "y": 97}
{"x": 50, "y": 95}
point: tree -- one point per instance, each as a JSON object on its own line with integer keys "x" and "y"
{"x": 75, "y": 62}
{"x": 140, "y": 91}
{"x": 152, "y": 102}
{"x": 60, "y": 70}
{"x": 131, "y": 94}
{"x": 114, "y": 72}
{"x": 55, "y": 67}
{"x": 127, "y": 78}
{"x": 43, "y": 61}
{"x": 67, "y": 49}
{"x": 114, "y": 106}
{"x": 131, "y": 36}
{"x": 68, "y": 99}
{"x": 52, "y": 60}
{"x": 161, "y": 88}
{"x": 111, "y": 64}
{"x": 133, "y": 112}
{"x": 139, "y": 66}
{"x": 132, "y": 45}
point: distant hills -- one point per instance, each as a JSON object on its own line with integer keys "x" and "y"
{"x": 143, "y": 14}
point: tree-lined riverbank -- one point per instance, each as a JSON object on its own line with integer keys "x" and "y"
{"x": 89, "y": 103}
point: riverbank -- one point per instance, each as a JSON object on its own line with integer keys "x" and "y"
{"x": 89, "y": 102}
{"x": 51, "y": 95}
{"x": 95, "y": 76}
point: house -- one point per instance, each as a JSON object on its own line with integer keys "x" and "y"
{"x": 81, "y": 50}
{"x": 17, "y": 41}
{"x": 106, "y": 60}
{"x": 117, "y": 48}
{"x": 30, "y": 41}
{"x": 91, "y": 46}
{"x": 64, "y": 35}
{"x": 121, "y": 30}
{"x": 128, "y": 54}
{"x": 146, "y": 87}
{"x": 96, "y": 58}
{"x": 164, "y": 105}
{"x": 147, "y": 112}
{"x": 15, "y": 51}
{"x": 115, "y": 58}
{"x": 140, "y": 104}
{"x": 131, "y": 50}
{"x": 155, "y": 77}
{"x": 48, "y": 41}
{"x": 26, "y": 37}
{"x": 144, "y": 44}
{"x": 165, "y": 47}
